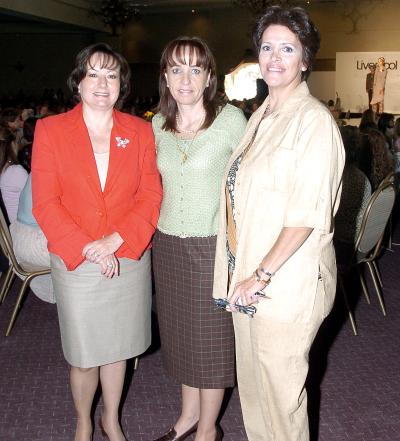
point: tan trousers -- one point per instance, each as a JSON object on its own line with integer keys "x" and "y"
{"x": 272, "y": 365}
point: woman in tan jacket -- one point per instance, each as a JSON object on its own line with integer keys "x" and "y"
{"x": 276, "y": 225}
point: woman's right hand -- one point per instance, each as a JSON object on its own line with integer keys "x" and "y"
{"x": 245, "y": 293}
{"x": 109, "y": 266}
{"x": 99, "y": 249}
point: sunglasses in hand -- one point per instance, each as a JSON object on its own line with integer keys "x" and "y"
{"x": 249, "y": 310}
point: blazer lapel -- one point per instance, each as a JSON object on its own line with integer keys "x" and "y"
{"x": 122, "y": 141}
{"x": 82, "y": 151}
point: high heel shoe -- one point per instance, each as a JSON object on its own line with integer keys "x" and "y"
{"x": 171, "y": 435}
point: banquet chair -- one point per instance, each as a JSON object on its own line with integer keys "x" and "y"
{"x": 388, "y": 234}
{"x": 391, "y": 177}
{"x": 24, "y": 271}
{"x": 5, "y": 267}
{"x": 368, "y": 244}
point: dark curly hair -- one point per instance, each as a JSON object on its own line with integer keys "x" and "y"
{"x": 109, "y": 58}
{"x": 352, "y": 143}
{"x": 175, "y": 49}
{"x": 297, "y": 21}
{"x": 382, "y": 163}
{"x": 368, "y": 120}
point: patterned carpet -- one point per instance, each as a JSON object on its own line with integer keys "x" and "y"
{"x": 354, "y": 382}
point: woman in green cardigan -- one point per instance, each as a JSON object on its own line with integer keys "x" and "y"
{"x": 194, "y": 137}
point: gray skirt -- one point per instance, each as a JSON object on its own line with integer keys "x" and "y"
{"x": 103, "y": 320}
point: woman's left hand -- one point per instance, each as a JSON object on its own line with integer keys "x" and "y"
{"x": 109, "y": 266}
{"x": 99, "y": 249}
{"x": 244, "y": 292}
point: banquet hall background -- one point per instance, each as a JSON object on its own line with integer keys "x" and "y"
{"x": 353, "y": 382}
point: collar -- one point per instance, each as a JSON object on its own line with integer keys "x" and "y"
{"x": 293, "y": 101}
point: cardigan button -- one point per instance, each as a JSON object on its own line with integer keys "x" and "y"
{"x": 99, "y": 213}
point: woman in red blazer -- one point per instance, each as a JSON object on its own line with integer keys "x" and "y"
{"x": 96, "y": 196}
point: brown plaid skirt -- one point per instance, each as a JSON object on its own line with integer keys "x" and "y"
{"x": 197, "y": 339}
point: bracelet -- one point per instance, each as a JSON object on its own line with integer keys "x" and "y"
{"x": 267, "y": 273}
{"x": 259, "y": 279}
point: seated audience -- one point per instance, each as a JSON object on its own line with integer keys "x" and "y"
{"x": 396, "y": 150}
{"x": 382, "y": 161}
{"x": 386, "y": 127}
{"x": 334, "y": 108}
{"x": 30, "y": 244}
{"x": 12, "y": 175}
{"x": 368, "y": 121}
{"x": 12, "y": 118}
{"x": 365, "y": 154}
{"x": 4, "y": 264}
{"x": 27, "y": 113}
{"x": 25, "y": 153}
{"x": 356, "y": 189}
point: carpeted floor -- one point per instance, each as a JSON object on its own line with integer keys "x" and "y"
{"x": 354, "y": 382}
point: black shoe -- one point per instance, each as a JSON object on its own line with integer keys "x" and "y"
{"x": 171, "y": 435}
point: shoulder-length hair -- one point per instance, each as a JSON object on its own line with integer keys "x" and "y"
{"x": 382, "y": 164}
{"x": 352, "y": 143}
{"x": 8, "y": 154}
{"x": 174, "y": 52}
{"x": 368, "y": 120}
{"x": 384, "y": 121}
{"x": 109, "y": 59}
{"x": 297, "y": 21}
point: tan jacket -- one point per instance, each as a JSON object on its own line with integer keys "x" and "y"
{"x": 291, "y": 177}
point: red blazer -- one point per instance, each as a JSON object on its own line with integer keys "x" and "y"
{"x": 68, "y": 202}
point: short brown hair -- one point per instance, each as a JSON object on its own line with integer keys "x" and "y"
{"x": 205, "y": 59}
{"x": 297, "y": 21}
{"x": 110, "y": 58}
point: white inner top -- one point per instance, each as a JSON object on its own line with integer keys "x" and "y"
{"x": 102, "y": 166}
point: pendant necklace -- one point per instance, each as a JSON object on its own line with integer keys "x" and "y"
{"x": 184, "y": 152}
